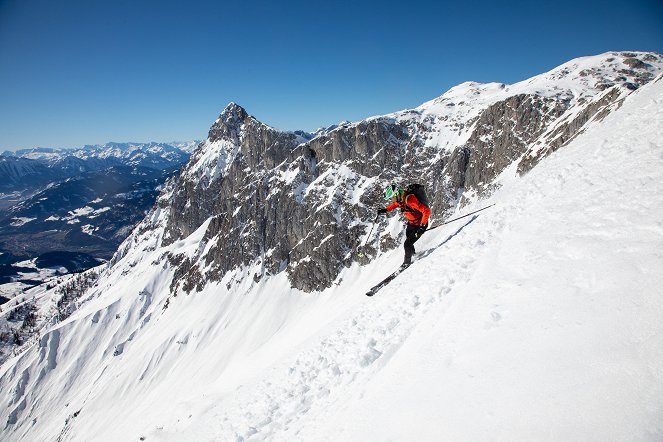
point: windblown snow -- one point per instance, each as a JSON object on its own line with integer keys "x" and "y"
{"x": 537, "y": 319}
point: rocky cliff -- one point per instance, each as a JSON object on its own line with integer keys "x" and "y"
{"x": 273, "y": 201}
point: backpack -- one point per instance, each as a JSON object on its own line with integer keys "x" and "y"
{"x": 419, "y": 191}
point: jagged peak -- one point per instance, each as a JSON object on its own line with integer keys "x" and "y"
{"x": 229, "y": 123}
{"x": 233, "y": 115}
{"x": 234, "y": 109}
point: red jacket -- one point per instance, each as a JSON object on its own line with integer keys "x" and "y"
{"x": 413, "y": 209}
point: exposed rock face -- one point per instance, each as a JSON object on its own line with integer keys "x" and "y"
{"x": 505, "y": 130}
{"x": 277, "y": 201}
{"x": 568, "y": 128}
{"x": 226, "y": 169}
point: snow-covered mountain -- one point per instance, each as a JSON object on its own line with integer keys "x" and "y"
{"x": 236, "y": 309}
{"x": 19, "y": 174}
{"x": 128, "y": 153}
{"x": 65, "y": 163}
{"x": 273, "y": 200}
{"x": 83, "y": 201}
{"x": 26, "y": 171}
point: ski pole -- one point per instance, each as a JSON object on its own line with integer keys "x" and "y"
{"x": 460, "y": 217}
{"x": 369, "y": 235}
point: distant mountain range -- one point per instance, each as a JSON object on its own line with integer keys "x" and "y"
{"x": 236, "y": 311}
{"x": 83, "y": 201}
{"x": 28, "y": 169}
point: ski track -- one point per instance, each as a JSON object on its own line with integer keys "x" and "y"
{"x": 361, "y": 343}
{"x": 299, "y": 391}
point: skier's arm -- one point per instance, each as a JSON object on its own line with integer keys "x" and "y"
{"x": 392, "y": 206}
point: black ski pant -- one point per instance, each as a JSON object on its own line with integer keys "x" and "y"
{"x": 410, "y": 238}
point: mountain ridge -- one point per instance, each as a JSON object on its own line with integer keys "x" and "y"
{"x": 84, "y": 201}
{"x": 458, "y": 147}
{"x": 234, "y": 301}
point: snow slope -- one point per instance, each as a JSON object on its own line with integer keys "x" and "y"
{"x": 539, "y": 319}
{"x": 551, "y": 329}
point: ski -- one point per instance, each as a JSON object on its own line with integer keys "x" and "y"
{"x": 386, "y": 280}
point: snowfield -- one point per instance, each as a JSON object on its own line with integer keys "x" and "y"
{"x": 538, "y": 319}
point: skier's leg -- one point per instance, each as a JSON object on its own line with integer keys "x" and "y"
{"x": 410, "y": 239}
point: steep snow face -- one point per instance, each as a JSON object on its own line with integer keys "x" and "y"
{"x": 543, "y": 324}
{"x": 537, "y": 319}
{"x": 212, "y": 160}
{"x": 213, "y": 157}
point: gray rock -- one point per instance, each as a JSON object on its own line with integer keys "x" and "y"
{"x": 279, "y": 201}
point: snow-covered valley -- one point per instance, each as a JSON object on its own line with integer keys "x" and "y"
{"x": 537, "y": 319}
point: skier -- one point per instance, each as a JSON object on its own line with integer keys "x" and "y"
{"x": 415, "y": 211}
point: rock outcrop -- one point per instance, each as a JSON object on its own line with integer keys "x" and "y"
{"x": 277, "y": 201}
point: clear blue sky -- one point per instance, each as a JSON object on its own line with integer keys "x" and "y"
{"x": 76, "y": 72}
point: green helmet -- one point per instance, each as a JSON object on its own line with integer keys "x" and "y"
{"x": 392, "y": 191}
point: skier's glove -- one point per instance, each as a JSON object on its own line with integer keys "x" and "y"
{"x": 382, "y": 211}
{"x": 422, "y": 229}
